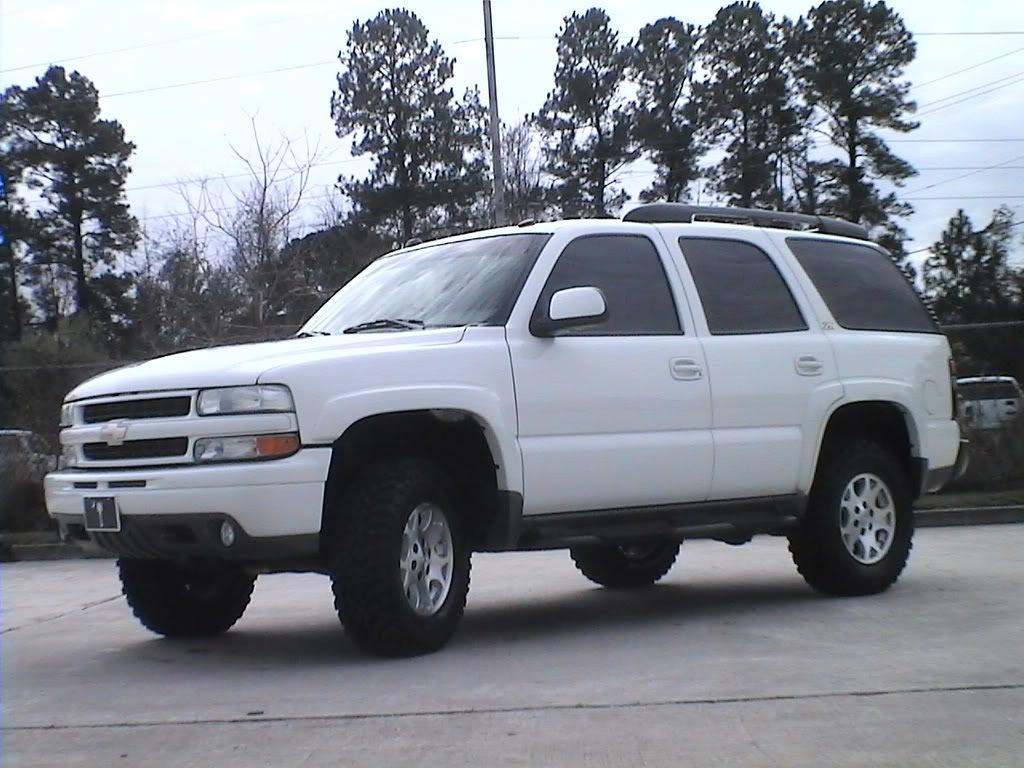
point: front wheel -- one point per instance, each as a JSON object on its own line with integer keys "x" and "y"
{"x": 176, "y": 601}
{"x": 620, "y": 566}
{"x": 859, "y": 528}
{"x": 399, "y": 559}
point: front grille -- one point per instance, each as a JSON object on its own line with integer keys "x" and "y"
{"x": 164, "y": 447}
{"x": 149, "y": 408}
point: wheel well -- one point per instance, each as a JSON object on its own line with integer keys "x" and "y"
{"x": 882, "y": 421}
{"x": 452, "y": 439}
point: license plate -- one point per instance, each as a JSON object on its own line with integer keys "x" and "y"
{"x": 101, "y": 514}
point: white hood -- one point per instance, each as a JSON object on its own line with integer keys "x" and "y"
{"x": 243, "y": 363}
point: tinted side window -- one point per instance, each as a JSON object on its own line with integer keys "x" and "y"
{"x": 740, "y": 288}
{"x": 862, "y": 287}
{"x": 629, "y": 272}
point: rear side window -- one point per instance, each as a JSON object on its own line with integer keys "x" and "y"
{"x": 740, "y": 288}
{"x": 863, "y": 288}
{"x": 628, "y": 271}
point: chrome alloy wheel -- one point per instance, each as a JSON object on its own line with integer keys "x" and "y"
{"x": 867, "y": 518}
{"x": 427, "y": 559}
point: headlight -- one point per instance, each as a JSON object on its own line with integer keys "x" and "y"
{"x": 209, "y": 449}
{"x": 264, "y": 398}
{"x": 67, "y": 414}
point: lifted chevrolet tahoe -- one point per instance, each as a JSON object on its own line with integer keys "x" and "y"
{"x": 609, "y": 387}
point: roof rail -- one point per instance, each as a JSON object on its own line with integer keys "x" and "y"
{"x": 681, "y": 213}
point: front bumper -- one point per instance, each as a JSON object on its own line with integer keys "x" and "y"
{"x": 276, "y": 505}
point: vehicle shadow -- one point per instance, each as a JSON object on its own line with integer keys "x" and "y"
{"x": 593, "y": 610}
{"x": 490, "y": 624}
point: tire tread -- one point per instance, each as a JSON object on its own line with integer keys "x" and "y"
{"x": 364, "y": 526}
{"x": 816, "y": 548}
{"x": 153, "y": 590}
{"x": 606, "y": 565}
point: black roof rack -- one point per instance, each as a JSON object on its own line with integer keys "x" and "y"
{"x": 681, "y": 213}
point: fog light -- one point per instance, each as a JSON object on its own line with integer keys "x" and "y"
{"x": 227, "y": 533}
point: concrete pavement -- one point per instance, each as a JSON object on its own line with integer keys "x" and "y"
{"x": 731, "y": 660}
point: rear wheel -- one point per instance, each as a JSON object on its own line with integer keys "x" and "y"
{"x": 399, "y": 560}
{"x": 859, "y": 528}
{"x": 625, "y": 565}
{"x": 176, "y": 601}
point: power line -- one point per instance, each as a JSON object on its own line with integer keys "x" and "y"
{"x": 276, "y": 22}
{"x": 951, "y": 141}
{"x": 993, "y": 32}
{"x": 178, "y": 183}
{"x": 230, "y": 176}
{"x": 155, "y": 43}
{"x": 972, "y": 89}
{"x": 260, "y": 73}
{"x": 969, "y": 197}
{"x": 929, "y": 247}
{"x": 965, "y": 175}
{"x": 966, "y": 69}
{"x": 127, "y": 49}
{"x": 221, "y": 79}
{"x": 226, "y": 209}
{"x": 630, "y": 172}
{"x": 971, "y": 167}
{"x": 969, "y": 98}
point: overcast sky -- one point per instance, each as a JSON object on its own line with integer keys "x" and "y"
{"x": 139, "y": 52}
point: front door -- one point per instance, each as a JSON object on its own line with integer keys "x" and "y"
{"x": 617, "y": 413}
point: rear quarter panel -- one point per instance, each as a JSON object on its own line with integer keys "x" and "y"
{"x": 908, "y": 369}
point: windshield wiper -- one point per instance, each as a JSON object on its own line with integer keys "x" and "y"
{"x": 308, "y": 334}
{"x": 385, "y": 323}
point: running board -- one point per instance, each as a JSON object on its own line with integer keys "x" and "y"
{"x": 734, "y": 521}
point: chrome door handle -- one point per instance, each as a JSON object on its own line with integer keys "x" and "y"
{"x": 685, "y": 369}
{"x": 809, "y": 365}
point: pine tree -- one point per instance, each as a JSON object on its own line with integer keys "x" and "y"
{"x": 969, "y": 279}
{"x": 852, "y": 57}
{"x": 968, "y": 276}
{"x": 667, "y": 115}
{"x": 393, "y": 97}
{"x": 56, "y": 145}
{"x": 586, "y": 119}
{"x": 749, "y": 105}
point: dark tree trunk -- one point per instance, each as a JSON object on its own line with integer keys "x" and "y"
{"x": 78, "y": 256}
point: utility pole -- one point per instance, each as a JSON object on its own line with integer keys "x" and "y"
{"x": 492, "y": 98}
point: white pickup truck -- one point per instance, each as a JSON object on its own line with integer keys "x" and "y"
{"x": 610, "y": 387}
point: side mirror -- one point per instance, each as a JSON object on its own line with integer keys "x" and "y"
{"x": 569, "y": 308}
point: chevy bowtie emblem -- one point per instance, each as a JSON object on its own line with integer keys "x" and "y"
{"x": 114, "y": 433}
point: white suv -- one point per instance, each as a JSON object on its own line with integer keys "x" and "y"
{"x": 610, "y": 387}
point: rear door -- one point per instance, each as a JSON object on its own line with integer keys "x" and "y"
{"x": 772, "y": 371}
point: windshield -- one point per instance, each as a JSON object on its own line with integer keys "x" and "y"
{"x": 469, "y": 282}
